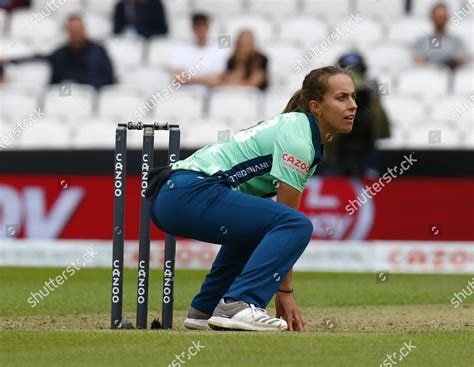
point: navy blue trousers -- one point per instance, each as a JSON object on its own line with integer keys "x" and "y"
{"x": 261, "y": 239}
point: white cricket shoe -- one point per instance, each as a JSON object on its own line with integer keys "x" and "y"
{"x": 239, "y": 315}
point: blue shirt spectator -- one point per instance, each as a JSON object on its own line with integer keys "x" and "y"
{"x": 81, "y": 60}
{"x": 89, "y": 64}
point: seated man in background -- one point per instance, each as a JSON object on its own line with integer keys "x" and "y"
{"x": 79, "y": 61}
{"x": 143, "y": 17}
{"x": 200, "y": 54}
{"x": 246, "y": 66}
{"x": 440, "y": 47}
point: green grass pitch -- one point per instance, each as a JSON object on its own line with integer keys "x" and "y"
{"x": 353, "y": 321}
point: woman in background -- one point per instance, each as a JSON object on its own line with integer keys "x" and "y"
{"x": 246, "y": 66}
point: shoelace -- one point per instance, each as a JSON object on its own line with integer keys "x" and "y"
{"x": 257, "y": 309}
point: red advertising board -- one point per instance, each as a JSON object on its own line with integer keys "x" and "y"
{"x": 81, "y": 207}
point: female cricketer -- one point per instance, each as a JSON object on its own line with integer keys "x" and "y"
{"x": 218, "y": 195}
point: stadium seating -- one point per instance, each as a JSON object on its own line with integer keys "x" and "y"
{"x": 380, "y": 9}
{"x": 328, "y": 9}
{"x": 329, "y": 56}
{"x": 274, "y": 7}
{"x": 275, "y": 102}
{"x": 464, "y": 79}
{"x": 60, "y": 12}
{"x": 404, "y": 111}
{"x": 149, "y": 78}
{"x": 104, "y": 7}
{"x": 41, "y": 47}
{"x": 49, "y": 131}
{"x": 97, "y": 27}
{"x": 32, "y": 73}
{"x": 366, "y": 32}
{"x": 429, "y": 81}
{"x": 206, "y": 131}
{"x": 444, "y": 109}
{"x": 181, "y": 30}
{"x": 240, "y": 104}
{"x": 176, "y": 9}
{"x": 408, "y": 29}
{"x": 24, "y": 25}
{"x": 218, "y": 8}
{"x": 12, "y": 47}
{"x": 391, "y": 58}
{"x": 468, "y": 140}
{"x": 262, "y": 27}
{"x": 464, "y": 31}
{"x": 16, "y": 104}
{"x": 398, "y": 139}
{"x": 281, "y": 56}
{"x": 184, "y": 105}
{"x": 69, "y": 101}
{"x": 161, "y": 52}
{"x": 125, "y": 53}
{"x": 99, "y": 132}
{"x": 122, "y": 103}
{"x": 422, "y": 7}
{"x": 425, "y": 136}
{"x": 303, "y": 29}
{"x": 99, "y": 136}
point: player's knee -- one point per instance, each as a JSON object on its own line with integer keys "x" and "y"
{"x": 303, "y": 227}
{"x": 307, "y": 229}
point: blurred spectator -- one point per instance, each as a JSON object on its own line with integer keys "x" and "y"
{"x": 440, "y": 47}
{"x": 246, "y": 65}
{"x": 79, "y": 61}
{"x": 354, "y": 154}
{"x": 199, "y": 62}
{"x": 10, "y": 5}
{"x": 144, "y": 17}
{"x": 2, "y": 74}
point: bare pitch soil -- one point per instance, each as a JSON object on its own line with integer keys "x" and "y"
{"x": 360, "y": 319}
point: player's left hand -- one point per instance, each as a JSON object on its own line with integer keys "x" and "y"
{"x": 287, "y": 308}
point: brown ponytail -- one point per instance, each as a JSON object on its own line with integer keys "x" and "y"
{"x": 294, "y": 103}
{"x": 315, "y": 86}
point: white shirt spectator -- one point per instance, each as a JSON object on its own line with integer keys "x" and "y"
{"x": 211, "y": 59}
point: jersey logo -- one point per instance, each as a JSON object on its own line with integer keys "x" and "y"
{"x": 295, "y": 164}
